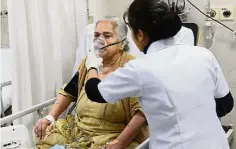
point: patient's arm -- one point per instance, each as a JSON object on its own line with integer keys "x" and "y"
{"x": 67, "y": 94}
{"x": 125, "y": 138}
{"x": 60, "y": 105}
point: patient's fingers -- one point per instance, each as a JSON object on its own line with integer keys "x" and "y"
{"x": 50, "y": 127}
{"x": 40, "y": 128}
{"x": 36, "y": 129}
{"x": 43, "y": 131}
{"x": 44, "y": 127}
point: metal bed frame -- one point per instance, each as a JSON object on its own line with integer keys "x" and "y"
{"x": 8, "y": 119}
{"x": 4, "y": 84}
{"x": 38, "y": 108}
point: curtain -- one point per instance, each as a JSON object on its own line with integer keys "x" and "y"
{"x": 43, "y": 39}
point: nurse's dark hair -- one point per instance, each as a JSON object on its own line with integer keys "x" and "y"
{"x": 154, "y": 18}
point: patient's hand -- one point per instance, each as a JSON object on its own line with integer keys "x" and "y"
{"x": 116, "y": 145}
{"x": 40, "y": 127}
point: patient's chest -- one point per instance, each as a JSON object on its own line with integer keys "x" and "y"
{"x": 109, "y": 112}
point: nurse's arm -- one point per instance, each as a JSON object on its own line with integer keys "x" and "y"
{"x": 223, "y": 97}
{"x": 124, "y": 82}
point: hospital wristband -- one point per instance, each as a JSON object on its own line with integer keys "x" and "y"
{"x": 50, "y": 118}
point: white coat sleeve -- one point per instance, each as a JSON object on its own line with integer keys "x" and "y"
{"x": 221, "y": 85}
{"x": 124, "y": 82}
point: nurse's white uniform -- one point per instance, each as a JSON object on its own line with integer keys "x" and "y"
{"x": 176, "y": 85}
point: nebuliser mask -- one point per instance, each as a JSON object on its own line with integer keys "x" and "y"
{"x": 99, "y": 46}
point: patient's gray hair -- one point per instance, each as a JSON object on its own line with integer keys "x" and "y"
{"x": 121, "y": 29}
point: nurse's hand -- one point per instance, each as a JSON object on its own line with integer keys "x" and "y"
{"x": 93, "y": 61}
{"x": 41, "y": 126}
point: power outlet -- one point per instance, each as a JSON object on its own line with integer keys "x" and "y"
{"x": 213, "y": 13}
{"x": 227, "y": 14}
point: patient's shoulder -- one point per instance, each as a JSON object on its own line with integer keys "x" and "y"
{"x": 129, "y": 56}
{"x": 82, "y": 63}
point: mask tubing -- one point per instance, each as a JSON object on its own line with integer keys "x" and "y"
{"x": 113, "y": 44}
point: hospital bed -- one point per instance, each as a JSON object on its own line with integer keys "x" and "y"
{"x": 5, "y": 98}
{"x": 229, "y": 134}
{"x": 17, "y": 136}
{"x": 5, "y": 80}
{"x": 15, "y": 140}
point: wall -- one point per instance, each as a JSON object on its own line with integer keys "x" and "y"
{"x": 5, "y": 52}
{"x": 4, "y": 26}
{"x": 101, "y": 8}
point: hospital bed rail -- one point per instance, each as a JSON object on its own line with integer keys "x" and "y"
{"x": 229, "y": 134}
{"x": 22, "y": 113}
{"x": 4, "y": 84}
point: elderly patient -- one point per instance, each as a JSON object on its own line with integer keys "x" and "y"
{"x": 120, "y": 125}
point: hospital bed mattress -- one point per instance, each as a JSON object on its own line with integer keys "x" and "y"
{"x": 14, "y": 137}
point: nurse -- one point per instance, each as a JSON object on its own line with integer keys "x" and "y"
{"x": 176, "y": 84}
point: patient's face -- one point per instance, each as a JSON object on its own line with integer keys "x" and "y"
{"x": 107, "y": 28}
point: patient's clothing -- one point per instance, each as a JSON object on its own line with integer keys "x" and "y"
{"x": 91, "y": 115}
{"x": 94, "y": 124}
